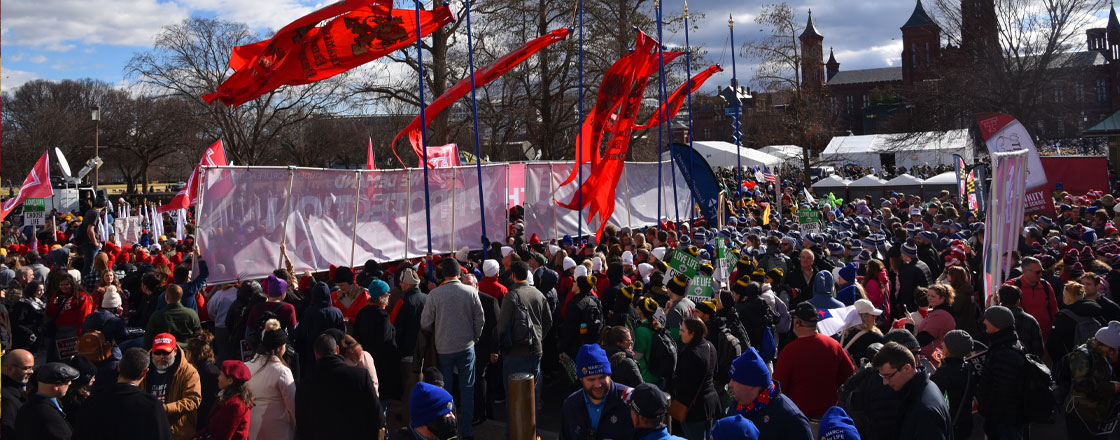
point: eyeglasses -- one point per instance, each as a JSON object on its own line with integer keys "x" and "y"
{"x": 888, "y": 377}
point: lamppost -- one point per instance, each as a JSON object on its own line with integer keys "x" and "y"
{"x": 96, "y": 114}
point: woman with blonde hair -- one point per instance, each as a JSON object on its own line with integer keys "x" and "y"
{"x": 1068, "y": 325}
{"x": 856, "y": 339}
{"x": 931, "y": 331}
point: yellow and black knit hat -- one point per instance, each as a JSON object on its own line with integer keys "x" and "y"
{"x": 693, "y": 250}
{"x": 649, "y": 305}
{"x": 706, "y": 269}
{"x": 586, "y": 283}
{"x": 707, "y": 306}
{"x": 678, "y": 284}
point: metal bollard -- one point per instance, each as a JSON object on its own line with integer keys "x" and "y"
{"x": 522, "y": 407}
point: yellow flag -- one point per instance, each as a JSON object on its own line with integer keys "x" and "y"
{"x": 766, "y": 214}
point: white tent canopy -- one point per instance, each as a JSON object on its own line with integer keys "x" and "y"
{"x": 868, "y": 180}
{"x": 904, "y": 180}
{"x": 783, "y": 152}
{"x": 906, "y": 150}
{"x": 724, "y": 154}
{"x": 832, "y": 181}
{"x": 946, "y": 178}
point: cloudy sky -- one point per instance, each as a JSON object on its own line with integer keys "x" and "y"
{"x": 59, "y": 39}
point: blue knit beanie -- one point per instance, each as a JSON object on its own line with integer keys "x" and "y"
{"x": 377, "y": 288}
{"x": 836, "y": 425}
{"x": 848, "y": 273}
{"x": 592, "y": 360}
{"x": 822, "y": 283}
{"x": 735, "y": 427}
{"x": 428, "y": 403}
{"x": 749, "y": 369}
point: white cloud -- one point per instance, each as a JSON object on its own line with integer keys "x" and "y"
{"x": 60, "y": 25}
{"x": 38, "y": 59}
{"x": 263, "y": 14}
{"x": 12, "y": 79}
{"x": 887, "y": 55}
{"x": 16, "y": 58}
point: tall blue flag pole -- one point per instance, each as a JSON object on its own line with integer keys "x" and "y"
{"x": 477, "y": 143}
{"x": 664, "y": 114}
{"x": 579, "y": 134}
{"x": 688, "y": 67}
{"x": 424, "y": 138}
{"x": 738, "y": 110}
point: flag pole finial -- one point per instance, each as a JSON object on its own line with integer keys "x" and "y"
{"x": 730, "y": 21}
{"x": 686, "y": 9}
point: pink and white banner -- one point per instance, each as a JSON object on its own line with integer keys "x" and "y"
{"x": 345, "y": 217}
{"x": 1011, "y": 178}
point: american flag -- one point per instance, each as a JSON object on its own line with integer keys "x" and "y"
{"x": 770, "y": 177}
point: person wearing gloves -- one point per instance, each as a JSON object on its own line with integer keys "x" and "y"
{"x": 760, "y": 400}
{"x": 598, "y": 410}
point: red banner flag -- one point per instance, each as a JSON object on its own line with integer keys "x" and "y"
{"x": 673, "y": 105}
{"x": 481, "y": 78}
{"x": 215, "y": 155}
{"x": 301, "y": 53}
{"x": 617, "y": 82}
{"x": 36, "y": 185}
{"x": 370, "y": 163}
{"x": 598, "y": 191}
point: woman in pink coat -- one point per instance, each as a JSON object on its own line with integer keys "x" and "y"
{"x": 876, "y": 285}
{"x": 940, "y": 321}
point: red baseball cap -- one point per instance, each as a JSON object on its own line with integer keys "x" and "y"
{"x": 164, "y": 342}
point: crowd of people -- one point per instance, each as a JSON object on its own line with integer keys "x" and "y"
{"x": 104, "y": 340}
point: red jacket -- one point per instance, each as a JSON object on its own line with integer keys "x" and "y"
{"x": 351, "y": 313}
{"x": 491, "y": 286}
{"x": 810, "y": 370}
{"x": 70, "y": 311}
{"x": 229, "y": 420}
{"x": 1040, "y": 302}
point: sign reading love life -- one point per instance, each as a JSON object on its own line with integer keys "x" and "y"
{"x": 699, "y": 286}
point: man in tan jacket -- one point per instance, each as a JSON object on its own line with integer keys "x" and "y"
{"x": 175, "y": 382}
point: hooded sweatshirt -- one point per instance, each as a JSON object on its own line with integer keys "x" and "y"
{"x": 318, "y": 317}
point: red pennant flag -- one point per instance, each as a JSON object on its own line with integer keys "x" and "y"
{"x": 673, "y": 105}
{"x": 370, "y": 163}
{"x": 36, "y": 185}
{"x": 481, "y": 78}
{"x": 598, "y": 191}
{"x": 300, "y": 53}
{"x": 215, "y": 155}
{"x": 617, "y": 82}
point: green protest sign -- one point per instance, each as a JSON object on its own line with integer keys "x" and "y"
{"x": 34, "y": 212}
{"x": 725, "y": 259}
{"x": 700, "y": 288}
{"x": 809, "y": 220}
{"x": 682, "y": 262}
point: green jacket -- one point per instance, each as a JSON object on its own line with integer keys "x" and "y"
{"x": 180, "y": 321}
{"x": 643, "y": 347}
{"x": 1091, "y": 384}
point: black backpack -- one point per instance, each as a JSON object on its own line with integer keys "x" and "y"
{"x": 662, "y": 354}
{"x": 1084, "y": 327}
{"x": 520, "y": 328}
{"x": 728, "y": 348}
{"x": 1039, "y": 391}
{"x": 591, "y": 315}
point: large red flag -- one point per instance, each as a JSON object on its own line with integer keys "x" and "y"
{"x": 36, "y": 185}
{"x": 215, "y": 155}
{"x": 598, "y": 191}
{"x": 673, "y": 105}
{"x": 481, "y": 78}
{"x": 617, "y": 83}
{"x": 360, "y": 31}
{"x": 370, "y": 163}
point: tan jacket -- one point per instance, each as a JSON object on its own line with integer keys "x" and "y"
{"x": 183, "y": 399}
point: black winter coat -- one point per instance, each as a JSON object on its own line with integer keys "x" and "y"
{"x": 318, "y": 317}
{"x": 408, "y": 320}
{"x": 614, "y": 420}
{"x": 13, "y": 397}
{"x": 697, "y": 361}
{"x": 122, "y": 412}
{"x": 488, "y": 343}
{"x": 1000, "y": 393}
{"x": 373, "y": 330}
{"x": 208, "y": 378}
{"x": 755, "y": 315}
{"x": 1065, "y": 327}
{"x": 39, "y": 419}
{"x": 1109, "y": 307}
{"x": 27, "y": 326}
{"x": 337, "y": 401}
{"x": 912, "y": 276}
{"x": 925, "y": 416}
{"x": 872, "y": 406}
{"x": 1028, "y": 331}
{"x": 956, "y": 378}
{"x": 624, "y": 368}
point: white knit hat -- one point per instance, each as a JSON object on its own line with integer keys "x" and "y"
{"x": 112, "y": 299}
{"x": 581, "y": 271}
{"x": 568, "y": 263}
{"x": 490, "y": 268}
{"x": 627, "y": 258}
{"x": 506, "y": 251}
{"x": 658, "y": 253}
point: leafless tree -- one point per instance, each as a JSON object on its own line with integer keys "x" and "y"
{"x": 190, "y": 59}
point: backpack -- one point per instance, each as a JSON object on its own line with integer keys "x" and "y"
{"x": 728, "y": 348}
{"x": 94, "y": 346}
{"x": 662, "y": 359}
{"x": 1039, "y": 391}
{"x": 519, "y": 331}
{"x": 1084, "y": 326}
{"x": 591, "y": 315}
{"x": 1063, "y": 377}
